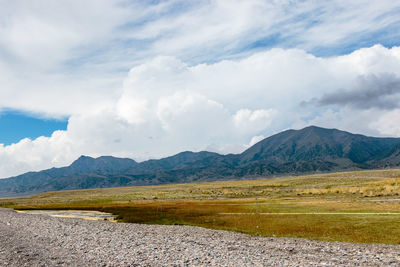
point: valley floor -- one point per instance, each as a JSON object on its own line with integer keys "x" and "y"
{"x": 359, "y": 207}
{"x": 37, "y": 240}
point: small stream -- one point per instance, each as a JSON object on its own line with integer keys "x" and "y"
{"x": 79, "y": 214}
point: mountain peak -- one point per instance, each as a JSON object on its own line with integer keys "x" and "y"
{"x": 314, "y": 128}
{"x": 85, "y": 157}
{"x": 103, "y": 163}
{"x": 319, "y": 130}
{"x": 82, "y": 160}
{"x": 308, "y": 150}
{"x": 313, "y": 144}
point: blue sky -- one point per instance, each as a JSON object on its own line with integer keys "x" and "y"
{"x": 147, "y": 79}
{"x": 16, "y": 126}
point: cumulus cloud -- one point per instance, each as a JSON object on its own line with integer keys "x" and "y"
{"x": 388, "y": 123}
{"x": 166, "y": 106}
{"x": 246, "y": 120}
{"x": 68, "y": 57}
{"x": 43, "y": 152}
{"x": 147, "y": 80}
{"x": 44, "y": 50}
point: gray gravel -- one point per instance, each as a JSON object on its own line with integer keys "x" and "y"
{"x": 37, "y": 240}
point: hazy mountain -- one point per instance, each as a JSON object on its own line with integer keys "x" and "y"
{"x": 309, "y": 150}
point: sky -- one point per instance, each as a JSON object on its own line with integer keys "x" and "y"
{"x": 149, "y": 79}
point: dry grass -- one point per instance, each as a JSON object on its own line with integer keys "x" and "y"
{"x": 202, "y": 204}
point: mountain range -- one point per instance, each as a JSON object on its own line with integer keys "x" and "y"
{"x": 292, "y": 152}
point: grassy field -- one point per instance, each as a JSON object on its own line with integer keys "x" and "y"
{"x": 247, "y": 206}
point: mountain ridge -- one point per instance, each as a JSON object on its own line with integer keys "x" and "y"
{"x": 309, "y": 150}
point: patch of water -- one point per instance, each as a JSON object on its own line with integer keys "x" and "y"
{"x": 79, "y": 214}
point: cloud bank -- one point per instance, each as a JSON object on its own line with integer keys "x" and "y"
{"x": 167, "y": 106}
{"x": 65, "y": 58}
{"x": 149, "y": 79}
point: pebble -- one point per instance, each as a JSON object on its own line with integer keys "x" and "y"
{"x": 37, "y": 240}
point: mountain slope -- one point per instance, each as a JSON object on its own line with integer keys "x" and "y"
{"x": 312, "y": 149}
{"x": 315, "y": 149}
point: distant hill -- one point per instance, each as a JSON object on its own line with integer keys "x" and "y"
{"x": 292, "y": 152}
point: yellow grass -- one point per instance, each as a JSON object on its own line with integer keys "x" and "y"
{"x": 203, "y": 204}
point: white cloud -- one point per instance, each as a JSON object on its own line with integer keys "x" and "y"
{"x": 247, "y": 121}
{"x": 203, "y": 75}
{"x": 43, "y": 152}
{"x": 166, "y": 106}
{"x": 388, "y": 123}
{"x": 42, "y": 33}
{"x": 63, "y": 58}
{"x": 223, "y": 27}
{"x": 41, "y": 48}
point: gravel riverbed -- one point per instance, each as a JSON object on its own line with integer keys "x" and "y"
{"x": 37, "y": 240}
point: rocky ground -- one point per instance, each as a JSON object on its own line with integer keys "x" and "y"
{"x": 37, "y": 240}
